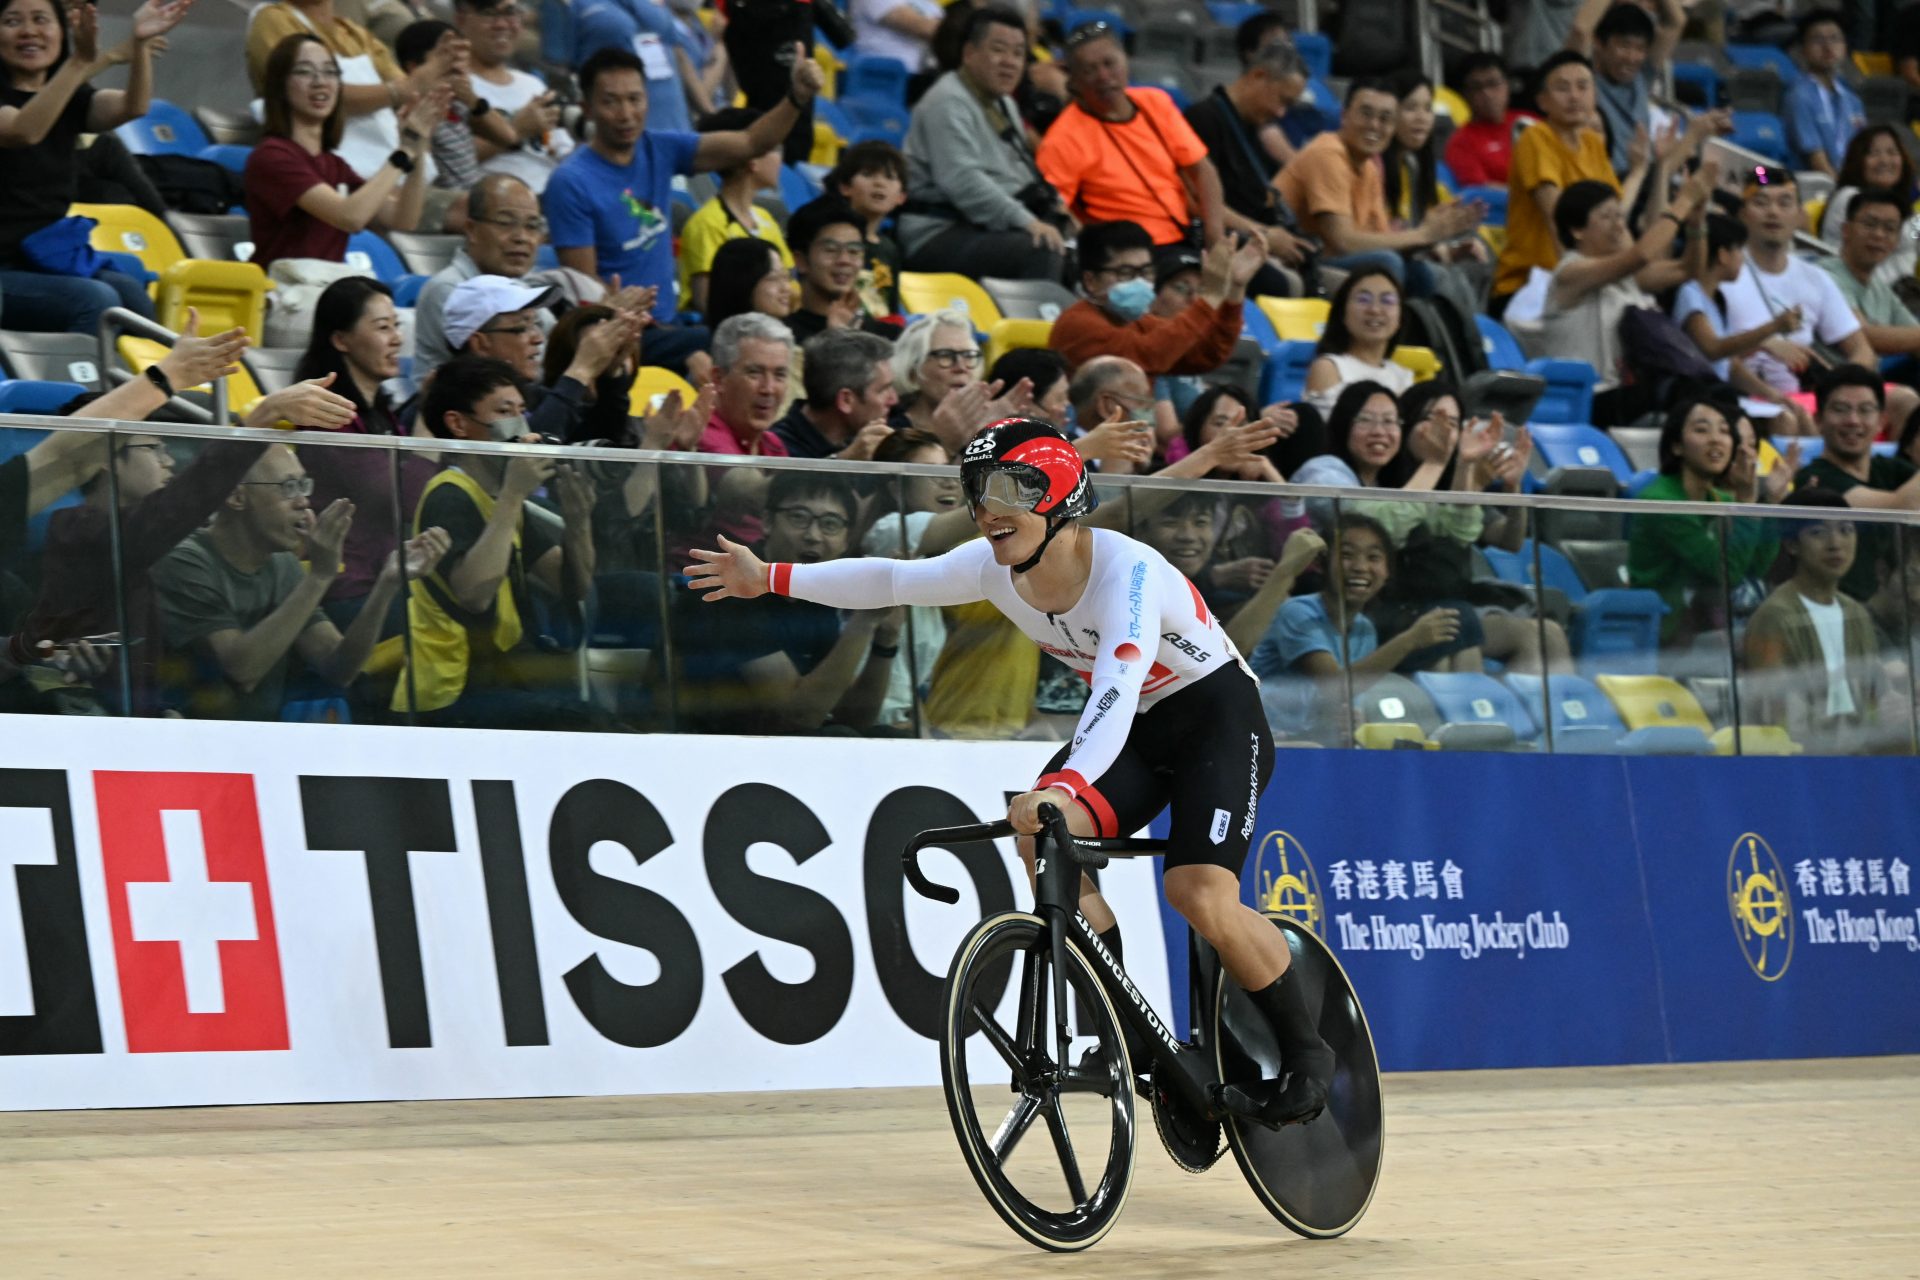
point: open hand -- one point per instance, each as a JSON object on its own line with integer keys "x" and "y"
{"x": 328, "y": 537}
{"x": 157, "y": 17}
{"x": 193, "y": 360}
{"x": 1117, "y": 440}
{"x": 732, "y": 572}
{"x": 305, "y": 404}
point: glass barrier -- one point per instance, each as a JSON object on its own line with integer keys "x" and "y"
{"x": 497, "y": 586}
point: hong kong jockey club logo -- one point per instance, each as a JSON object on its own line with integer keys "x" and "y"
{"x": 1761, "y": 906}
{"x": 1285, "y": 882}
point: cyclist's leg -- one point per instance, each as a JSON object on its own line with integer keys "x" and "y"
{"x": 1118, "y": 802}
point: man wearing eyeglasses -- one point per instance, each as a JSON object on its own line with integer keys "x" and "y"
{"x": 504, "y": 230}
{"x": 237, "y": 597}
{"x": 1852, "y": 410}
{"x": 1868, "y": 238}
{"x": 492, "y": 29}
{"x": 1114, "y": 315}
{"x": 829, "y": 250}
{"x": 782, "y": 665}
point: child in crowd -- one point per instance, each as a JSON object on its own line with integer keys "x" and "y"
{"x": 732, "y": 214}
{"x": 872, "y": 178}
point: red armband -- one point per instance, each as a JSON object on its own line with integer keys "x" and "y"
{"x": 780, "y": 578}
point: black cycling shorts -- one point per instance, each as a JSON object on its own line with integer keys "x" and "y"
{"x": 1205, "y": 751}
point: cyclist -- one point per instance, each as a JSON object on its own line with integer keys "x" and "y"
{"x": 1173, "y": 715}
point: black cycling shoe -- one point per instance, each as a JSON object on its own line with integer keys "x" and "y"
{"x": 1300, "y": 1102}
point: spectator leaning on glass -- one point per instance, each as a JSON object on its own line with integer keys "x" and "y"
{"x": 468, "y": 618}
{"x": 96, "y": 567}
{"x": 492, "y": 30}
{"x": 372, "y": 93}
{"x": 1113, "y": 316}
{"x": 1813, "y": 655}
{"x": 849, "y": 393}
{"x": 1690, "y": 560}
{"x": 1336, "y": 189}
{"x": 1853, "y": 409}
{"x": 608, "y": 202}
{"x": 976, "y": 200}
{"x": 303, "y": 197}
{"x": 48, "y": 276}
{"x": 237, "y": 598}
{"x": 1822, "y": 111}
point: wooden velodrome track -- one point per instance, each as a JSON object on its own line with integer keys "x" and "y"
{"x": 1804, "y": 1169}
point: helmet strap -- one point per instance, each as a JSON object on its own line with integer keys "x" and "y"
{"x": 1054, "y": 525}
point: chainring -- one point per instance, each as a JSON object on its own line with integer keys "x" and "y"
{"x": 1194, "y": 1142}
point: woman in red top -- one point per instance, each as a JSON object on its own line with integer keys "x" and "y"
{"x": 303, "y": 199}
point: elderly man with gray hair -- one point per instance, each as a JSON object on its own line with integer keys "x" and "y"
{"x": 1229, "y": 121}
{"x": 848, "y": 382}
{"x": 752, "y": 361}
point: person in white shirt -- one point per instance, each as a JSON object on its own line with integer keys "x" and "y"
{"x": 1699, "y": 309}
{"x": 492, "y": 28}
{"x": 898, "y": 29}
{"x": 1774, "y": 281}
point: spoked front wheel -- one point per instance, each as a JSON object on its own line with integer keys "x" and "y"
{"x": 1062, "y": 1187}
{"x": 1316, "y": 1178}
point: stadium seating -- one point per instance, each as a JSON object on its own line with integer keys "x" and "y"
{"x": 1579, "y": 718}
{"x": 1668, "y": 719}
{"x": 125, "y": 228}
{"x": 424, "y": 254}
{"x": 1029, "y": 299}
{"x": 1561, "y": 445}
{"x": 273, "y": 368}
{"x": 217, "y": 237}
{"x": 1471, "y": 697}
{"x": 1009, "y": 335}
{"x": 653, "y": 383}
{"x": 924, "y": 292}
{"x": 1762, "y": 132}
{"x": 1764, "y": 56}
{"x": 242, "y": 392}
{"x": 875, "y": 79}
{"x": 53, "y": 357}
{"x": 1394, "y": 699}
{"x": 1424, "y": 364}
{"x": 1285, "y": 375}
{"x": 227, "y": 294}
{"x": 37, "y": 397}
{"x": 1615, "y": 629}
{"x": 1297, "y": 319}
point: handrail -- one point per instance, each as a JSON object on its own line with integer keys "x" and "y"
{"x": 1225, "y": 488}
{"x": 118, "y": 321}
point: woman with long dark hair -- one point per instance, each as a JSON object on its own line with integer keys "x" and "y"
{"x": 748, "y": 275}
{"x": 1363, "y": 330}
{"x": 356, "y": 343}
{"x": 48, "y": 56}
{"x": 1875, "y": 160}
{"x": 295, "y": 177}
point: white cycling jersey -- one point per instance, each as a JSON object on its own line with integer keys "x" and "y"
{"x": 1139, "y": 633}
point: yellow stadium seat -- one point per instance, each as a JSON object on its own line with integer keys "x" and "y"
{"x": 826, "y": 145}
{"x": 1873, "y": 64}
{"x": 1455, "y": 106}
{"x": 126, "y": 228}
{"x": 1646, "y": 702}
{"x": 831, "y": 63}
{"x": 653, "y": 381}
{"x": 1297, "y": 319}
{"x": 227, "y": 294}
{"x": 1384, "y": 737}
{"x": 1009, "y": 335}
{"x": 1426, "y": 366}
{"x": 922, "y": 292}
{"x": 242, "y": 391}
{"x": 1756, "y": 740}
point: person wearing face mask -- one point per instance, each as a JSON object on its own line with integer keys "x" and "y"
{"x": 469, "y": 617}
{"x": 1112, "y": 318}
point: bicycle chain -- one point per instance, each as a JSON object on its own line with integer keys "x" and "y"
{"x": 1188, "y": 1138}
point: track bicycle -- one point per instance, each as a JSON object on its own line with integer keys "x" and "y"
{"x": 1065, "y": 1062}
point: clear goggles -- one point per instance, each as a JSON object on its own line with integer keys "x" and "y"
{"x": 1010, "y": 492}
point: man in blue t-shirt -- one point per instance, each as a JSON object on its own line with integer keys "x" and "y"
{"x": 608, "y": 203}
{"x": 1822, "y": 111}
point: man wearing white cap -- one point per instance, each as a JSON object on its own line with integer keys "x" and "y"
{"x": 500, "y": 319}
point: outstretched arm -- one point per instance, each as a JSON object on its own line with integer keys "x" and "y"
{"x": 864, "y": 582}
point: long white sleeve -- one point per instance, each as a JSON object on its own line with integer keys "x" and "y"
{"x": 871, "y": 582}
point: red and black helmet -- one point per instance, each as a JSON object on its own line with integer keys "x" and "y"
{"x": 1024, "y": 464}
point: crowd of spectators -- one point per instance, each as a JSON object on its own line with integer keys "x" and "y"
{"x": 452, "y": 586}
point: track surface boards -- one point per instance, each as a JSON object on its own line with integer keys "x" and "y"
{"x": 1744, "y": 1171}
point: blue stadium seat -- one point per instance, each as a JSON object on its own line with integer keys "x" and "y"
{"x": 829, "y": 113}
{"x": 1231, "y": 13}
{"x": 1285, "y": 377}
{"x": 557, "y": 32}
{"x": 1702, "y": 77}
{"x": 1666, "y": 740}
{"x": 1254, "y": 324}
{"x": 1616, "y": 630}
{"x": 873, "y": 78}
{"x": 1316, "y": 49}
{"x": 796, "y": 188}
{"x": 1641, "y": 479}
{"x": 1472, "y": 697}
{"x": 1569, "y": 396}
{"x": 22, "y": 396}
{"x": 229, "y": 156}
{"x": 1508, "y": 566}
{"x": 1578, "y": 445}
{"x": 1583, "y": 719}
{"x": 1495, "y": 198}
{"x": 1073, "y": 19}
{"x": 875, "y": 120}
{"x": 166, "y": 130}
{"x": 1502, "y": 348}
{"x": 1760, "y": 131}
{"x": 370, "y": 252}
{"x": 1764, "y": 55}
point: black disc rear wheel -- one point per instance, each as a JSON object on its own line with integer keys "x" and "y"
{"x": 1063, "y": 1186}
{"x": 1317, "y": 1178}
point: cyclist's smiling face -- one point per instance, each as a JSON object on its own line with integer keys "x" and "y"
{"x": 1014, "y": 536}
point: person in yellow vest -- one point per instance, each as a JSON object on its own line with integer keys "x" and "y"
{"x": 472, "y": 661}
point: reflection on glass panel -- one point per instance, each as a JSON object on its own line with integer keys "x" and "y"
{"x": 1815, "y": 670}
{"x": 61, "y": 609}
{"x": 624, "y": 657}
{"x": 1896, "y": 619}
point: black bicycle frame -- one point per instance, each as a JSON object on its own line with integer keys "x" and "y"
{"x": 1055, "y": 899}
